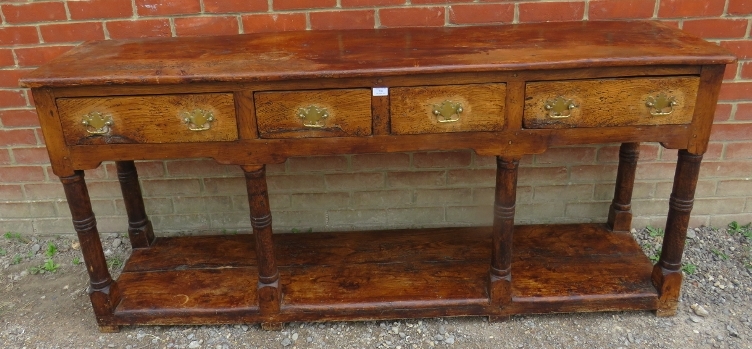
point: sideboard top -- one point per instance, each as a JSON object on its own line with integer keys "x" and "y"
{"x": 374, "y": 52}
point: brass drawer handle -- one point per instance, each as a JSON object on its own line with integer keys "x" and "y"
{"x": 198, "y": 119}
{"x": 313, "y": 116}
{"x": 447, "y": 110}
{"x": 97, "y": 123}
{"x": 661, "y": 105}
{"x": 560, "y": 107}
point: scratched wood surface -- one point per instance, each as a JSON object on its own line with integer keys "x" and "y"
{"x": 382, "y": 52}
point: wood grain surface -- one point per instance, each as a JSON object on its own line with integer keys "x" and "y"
{"x": 349, "y": 113}
{"x": 610, "y": 102}
{"x": 149, "y": 119}
{"x": 412, "y": 108}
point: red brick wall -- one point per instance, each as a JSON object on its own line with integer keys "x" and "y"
{"x": 357, "y": 191}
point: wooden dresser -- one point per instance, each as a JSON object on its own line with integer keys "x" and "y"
{"x": 250, "y": 100}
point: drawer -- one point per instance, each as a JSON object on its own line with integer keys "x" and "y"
{"x": 453, "y": 108}
{"x": 319, "y": 113}
{"x": 610, "y": 102}
{"x": 179, "y": 118}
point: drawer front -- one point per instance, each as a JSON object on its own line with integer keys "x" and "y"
{"x": 320, "y": 113}
{"x": 149, "y": 119}
{"x": 610, "y": 102}
{"x": 454, "y": 108}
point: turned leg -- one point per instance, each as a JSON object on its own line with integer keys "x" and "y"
{"x": 667, "y": 276}
{"x": 500, "y": 275}
{"x": 620, "y": 212}
{"x": 140, "y": 231}
{"x": 261, "y": 221}
{"x": 103, "y": 291}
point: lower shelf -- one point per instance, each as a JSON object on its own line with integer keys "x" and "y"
{"x": 385, "y": 274}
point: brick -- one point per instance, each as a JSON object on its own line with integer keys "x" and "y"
{"x": 296, "y": 183}
{"x": 723, "y": 220}
{"x": 17, "y": 137}
{"x": 154, "y": 206}
{"x": 472, "y": 215}
{"x": 551, "y": 11}
{"x": 415, "y": 179}
{"x": 359, "y": 19}
{"x": 195, "y": 168}
{"x": 72, "y": 32}
{"x": 181, "y": 222}
{"x": 52, "y": 226}
{"x": 714, "y": 152}
{"x": 317, "y": 163}
{"x": 736, "y": 151}
{"x": 143, "y": 28}
{"x": 167, "y": 7}
{"x": 100, "y": 9}
{"x": 713, "y": 206}
{"x": 593, "y": 173}
{"x": 741, "y": 48}
{"x": 641, "y": 190}
{"x": 481, "y": 13}
{"x": 568, "y": 155}
{"x": 9, "y": 77}
{"x": 442, "y": 159}
{"x": 385, "y": 161}
{"x": 382, "y": 198}
{"x": 226, "y": 222}
{"x": 748, "y": 207}
{"x": 430, "y": 2}
{"x": 540, "y": 212}
{"x": 301, "y": 220}
{"x": 6, "y": 58}
{"x": 302, "y": 4}
{"x": 224, "y": 6}
{"x": 644, "y": 208}
{"x": 704, "y": 188}
{"x": 4, "y": 158}
{"x": 722, "y": 112}
{"x": 746, "y": 70}
{"x": 17, "y": 225}
{"x": 277, "y": 22}
{"x": 354, "y": 181}
{"x": 612, "y": 9}
{"x": 337, "y": 200}
{"x": 359, "y": 217}
{"x": 415, "y": 216}
{"x": 544, "y": 175}
{"x": 736, "y": 187}
{"x": 728, "y": 169}
{"x": 171, "y": 187}
{"x": 485, "y": 196}
{"x": 729, "y": 72}
{"x": 570, "y": 192}
{"x": 16, "y": 174}
{"x": 648, "y": 152}
{"x": 107, "y": 189}
{"x": 483, "y": 177}
{"x": 443, "y": 197}
{"x": 739, "y": 7}
{"x": 731, "y": 132}
{"x": 594, "y": 210}
{"x": 412, "y": 17}
{"x": 743, "y": 111}
{"x": 36, "y": 56}
{"x": 371, "y": 3}
{"x": 200, "y": 26}
{"x": 736, "y": 91}
{"x": 18, "y": 35}
{"x": 690, "y": 8}
{"x": 29, "y": 156}
{"x": 193, "y": 204}
{"x": 716, "y": 28}
{"x": 11, "y": 192}
{"x": 215, "y": 186}
{"x": 656, "y": 171}
{"x": 40, "y": 191}
{"x": 34, "y": 12}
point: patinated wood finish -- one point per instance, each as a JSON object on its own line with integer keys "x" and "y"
{"x": 250, "y": 100}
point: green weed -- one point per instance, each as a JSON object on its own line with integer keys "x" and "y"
{"x": 720, "y": 254}
{"x": 689, "y": 268}
{"x": 655, "y": 232}
{"x": 114, "y": 263}
{"x": 51, "y": 250}
{"x": 735, "y": 228}
{"x": 14, "y": 236}
{"x": 3, "y": 252}
{"x": 48, "y": 266}
{"x": 76, "y": 260}
{"x": 16, "y": 259}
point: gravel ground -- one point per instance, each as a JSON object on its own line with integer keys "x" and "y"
{"x": 42, "y": 309}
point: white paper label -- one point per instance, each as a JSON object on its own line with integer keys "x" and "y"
{"x": 380, "y": 91}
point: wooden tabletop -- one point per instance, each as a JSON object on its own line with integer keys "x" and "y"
{"x": 376, "y": 52}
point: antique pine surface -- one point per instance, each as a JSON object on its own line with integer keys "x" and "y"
{"x": 251, "y": 100}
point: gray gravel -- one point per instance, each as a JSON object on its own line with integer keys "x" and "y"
{"x": 52, "y": 310}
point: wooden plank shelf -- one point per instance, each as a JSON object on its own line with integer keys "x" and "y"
{"x": 385, "y": 274}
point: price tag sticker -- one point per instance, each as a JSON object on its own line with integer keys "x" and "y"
{"x": 380, "y": 91}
